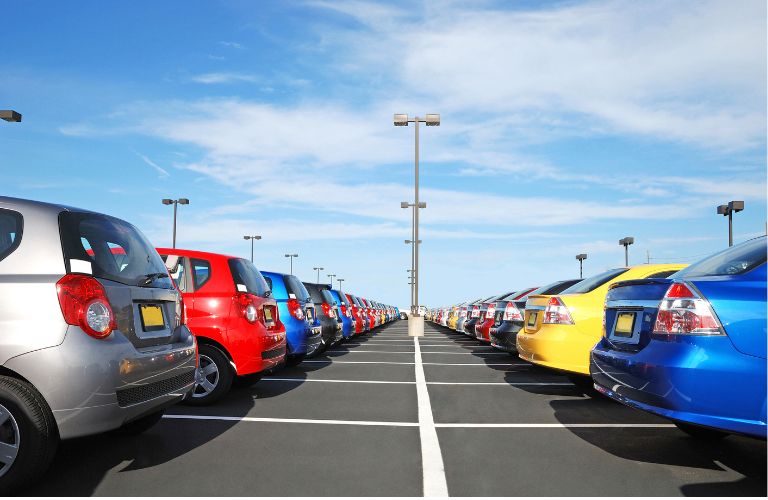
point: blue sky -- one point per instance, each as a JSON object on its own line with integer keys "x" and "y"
{"x": 565, "y": 127}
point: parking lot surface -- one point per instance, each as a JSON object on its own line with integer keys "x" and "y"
{"x": 378, "y": 416}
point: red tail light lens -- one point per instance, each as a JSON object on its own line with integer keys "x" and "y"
{"x": 683, "y": 312}
{"x": 512, "y": 313}
{"x": 344, "y": 310}
{"x": 84, "y": 303}
{"x": 491, "y": 311}
{"x": 557, "y": 313}
{"x": 295, "y": 309}
{"x": 247, "y": 305}
{"x": 326, "y": 309}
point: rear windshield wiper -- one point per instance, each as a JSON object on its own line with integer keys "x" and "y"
{"x": 147, "y": 279}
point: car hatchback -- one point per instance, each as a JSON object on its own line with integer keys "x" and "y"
{"x": 93, "y": 334}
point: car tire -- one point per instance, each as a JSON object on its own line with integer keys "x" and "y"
{"x": 702, "y": 433}
{"x": 210, "y": 383}
{"x": 31, "y": 425}
{"x": 140, "y": 425}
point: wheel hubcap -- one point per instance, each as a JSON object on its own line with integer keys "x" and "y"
{"x": 9, "y": 440}
{"x": 206, "y": 377}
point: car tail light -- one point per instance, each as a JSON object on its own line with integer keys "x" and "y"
{"x": 295, "y": 309}
{"x": 84, "y": 303}
{"x": 683, "y": 312}
{"x": 247, "y": 305}
{"x": 344, "y": 310}
{"x": 556, "y": 313}
{"x": 327, "y": 309}
{"x": 475, "y": 312}
{"x": 490, "y": 312}
{"x": 512, "y": 313}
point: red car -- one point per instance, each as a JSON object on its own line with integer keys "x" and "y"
{"x": 357, "y": 316}
{"x": 230, "y": 312}
{"x": 483, "y": 330}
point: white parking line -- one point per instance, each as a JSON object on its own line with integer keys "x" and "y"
{"x": 433, "y": 470}
{"x": 292, "y": 420}
{"x": 556, "y": 426}
{"x": 499, "y": 353}
{"x": 334, "y": 361}
{"x": 346, "y": 381}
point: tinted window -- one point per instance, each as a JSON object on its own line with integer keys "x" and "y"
{"x": 596, "y": 281}
{"x": 201, "y": 272}
{"x": 245, "y": 275}
{"x": 269, "y": 281}
{"x": 179, "y": 273}
{"x": 554, "y": 288}
{"x": 327, "y": 297}
{"x": 343, "y": 298}
{"x": 11, "y": 224}
{"x": 314, "y": 293}
{"x": 112, "y": 248}
{"x": 296, "y": 287}
{"x": 735, "y": 260}
{"x": 662, "y": 274}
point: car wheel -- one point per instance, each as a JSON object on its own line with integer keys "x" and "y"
{"x": 140, "y": 425}
{"x": 702, "y": 433}
{"x": 213, "y": 378}
{"x": 28, "y": 434}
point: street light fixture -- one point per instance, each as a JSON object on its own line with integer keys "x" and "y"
{"x": 581, "y": 258}
{"x": 254, "y": 237}
{"x": 339, "y": 280}
{"x": 10, "y": 115}
{"x": 175, "y": 203}
{"x": 331, "y": 276}
{"x": 318, "y": 269}
{"x": 291, "y": 255}
{"x": 626, "y": 242}
{"x": 728, "y": 210}
{"x": 402, "y": 120}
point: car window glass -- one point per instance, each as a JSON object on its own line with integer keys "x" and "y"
{"x": 734, "y": 260}
{"x": 10, "y": 232}
{"x": 296, "y": 287}
{"x": 662, "y": 274}
{"x": 596, "y": 281}
{"x": 269, "y": 281}
{"x": 179, "y": 274}
{"x": 201, "y": 272}
{"x": 245, "y": 275}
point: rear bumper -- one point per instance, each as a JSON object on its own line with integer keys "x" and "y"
{"x": 697, "y": 380}
{"x": 81, "y": 378}
{"x": 505, "y": 336}
{"x": 296, "y": 333}
{"x": 562, "y": 347}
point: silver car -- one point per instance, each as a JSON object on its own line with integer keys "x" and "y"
{"x": 92, "y": 334}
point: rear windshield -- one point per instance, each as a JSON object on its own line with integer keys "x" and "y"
{"x": 596, "y": 281}
{"x": 314, "y": 293}
{"x": 110, "y": 249}
{"x": 327, "y": 297}
{"x": 554, "y": 288}
{"x": 734, "y": 260}
{"x": 296, "y": 287}
{"x": 247, "y": 278}
{"x": 10, "y": 232}
{"x": 343, "y": 298}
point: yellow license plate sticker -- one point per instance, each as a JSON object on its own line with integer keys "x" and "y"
{"x": 267, "y": 314}
{"x": 151, "y": 316}
{"x": 625, "y": 325}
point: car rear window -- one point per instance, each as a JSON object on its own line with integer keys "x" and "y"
{"x": 247, "y": 278}
{"x": 11, "y": 227}
{"x": 596, "y": 281}
{"x": 296, "y": 287}
{"x": 327, "y": 297}
{"x": 554, "y": 288}
{"x": 111, "y": 249}
{"x": 734, "y": 260}
{"x": 201, "y": 272}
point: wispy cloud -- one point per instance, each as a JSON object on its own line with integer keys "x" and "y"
{"x": 162, "y": 173}
{"x": 232, "y": 45}
{"x": 211, "y": 78}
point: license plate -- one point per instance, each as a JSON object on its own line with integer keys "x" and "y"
{"x": 625, "y": 325}
{"x": 532, "y": 319}
{"x": 268, "y": 315}
{"x": 151, "y": 317}
{"x": 310, "y": 314}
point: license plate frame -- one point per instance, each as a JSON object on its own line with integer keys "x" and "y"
{"x": 152, "y": 317}
{"x": 626, "y": 327}
{"x": 532, "y": 318}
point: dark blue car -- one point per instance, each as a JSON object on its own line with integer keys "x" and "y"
{"x": 344, "y": 314}
{"x": 692, "y": 347}
{"x": 302, "y": 329}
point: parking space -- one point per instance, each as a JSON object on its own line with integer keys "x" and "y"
{"x": 386, "y": 415}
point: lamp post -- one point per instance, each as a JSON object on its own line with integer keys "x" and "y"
{"x": 626, "y": 242}
{"x": 10, "y": 115}
{"x": 291, "y": 255}
{"x": 581, "y": 258}
{"x": 175, "y": 203}
{"x": 339, "y": 280}
{"x": 318, "y": 269}
{"x": 254, "y": 237}
{"x": 331, "y": 276}
{"x": 402, "y": 120}
{"x": 405, "y": 204}
{"x": 728, "y": 210}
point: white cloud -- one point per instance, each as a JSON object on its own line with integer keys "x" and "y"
{"x": 232, "y": 45}
{"x": 214, "y": 78}
{"x": 162, "y": 173}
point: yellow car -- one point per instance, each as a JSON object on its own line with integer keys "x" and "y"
{"x": 453, "y": 317}
{"x": 561, "y": 330}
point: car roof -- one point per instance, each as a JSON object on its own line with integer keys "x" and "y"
{"x": 194, "y": 253}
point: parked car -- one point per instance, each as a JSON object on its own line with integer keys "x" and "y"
{"x": 470, "y": 327}
{"x": 233, "y": 317}
{"x": 560, "y": 330}
{"x": 691, "y": 348}
{"x": 324, "y": 310}
{"x": 344, "y": 314}
{"x": 508, "y": 319}
{"x": 466, "y": 315}
{"x": 86, "y": 305}
{"x": 483, "y": 327}
{"x": 357, "y": 315}
{"x": 302, "y": 329}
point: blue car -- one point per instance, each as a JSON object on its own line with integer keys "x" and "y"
{"x": 692, "y": 347}
{"x": 302, "y": 329}
{"x": 344, "y": 313}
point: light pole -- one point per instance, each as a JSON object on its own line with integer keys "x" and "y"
{"x": 626, "y": 242}
{"x": 581, "y": 258}
{"x": 291, "y": 255}
{"x": 405, "y": 204}
{"x": 10, "y": 115}
{"x": 175, "y": 203}
{"x": 339, "y": 280}
{"x": 331, "y": 276}
{"x": 254, "y": 237}
{"x": 728, "y": 210}
{"x": 410, "y": 282}
{"x": 402, "y": 120}
{"x": 318, "y": 269}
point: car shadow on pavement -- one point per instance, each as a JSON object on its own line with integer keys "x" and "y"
{"x": 667, "y": 446}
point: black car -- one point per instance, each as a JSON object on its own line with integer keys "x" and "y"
{"x": 325, "y": 311}
{"x": 510, "y": 313}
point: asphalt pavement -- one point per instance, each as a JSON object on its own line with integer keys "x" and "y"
{"x": 387, "y": 415}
